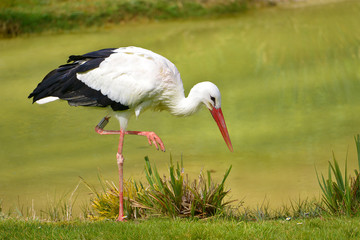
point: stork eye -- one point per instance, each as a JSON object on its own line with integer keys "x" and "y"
{"x": 213, "y": 99}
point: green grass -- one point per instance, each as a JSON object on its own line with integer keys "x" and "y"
{"x": 326, "y": 228}
{"x": 341, "y": 196}
{"x": 173, "y": 197}
{"x": 177, "y": 196}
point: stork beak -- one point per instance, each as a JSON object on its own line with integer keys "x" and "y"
{"x": 219, "y": 119}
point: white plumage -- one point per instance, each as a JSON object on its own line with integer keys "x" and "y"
{"x": 133, "y": 75}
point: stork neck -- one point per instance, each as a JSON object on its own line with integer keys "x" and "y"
{"x": 186, "y": 106}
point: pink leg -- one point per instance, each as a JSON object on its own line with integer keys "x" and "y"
{"x": 152, "y": 139}
{"x": 120, "y": 162}
{"x": 151, "y": 136}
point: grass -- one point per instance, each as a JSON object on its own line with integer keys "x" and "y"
{"x": 176, "y": 196}
{"x": 28, "y": 16}
{"x": 303, "y": 219}
{"x": 297, "y": 209}
{"x": 173, "y": 196}
{"x": 326, "y": 228}
{"x": 57, "y": 209}
{"x": 341, "y": 195}
{"x": 105, "y": 203}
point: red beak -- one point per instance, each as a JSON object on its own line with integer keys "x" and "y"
{"x": 219, "y": 119}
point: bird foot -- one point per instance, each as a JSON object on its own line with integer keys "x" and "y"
{"x": 154, "y": 139}
{"x": 121, "y": 219}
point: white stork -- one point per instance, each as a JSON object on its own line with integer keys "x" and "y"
{"x": 128, "y": 80}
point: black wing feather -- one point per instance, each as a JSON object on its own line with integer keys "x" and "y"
{"x": 96, "y": 54}
{"x": 63, "y": 83}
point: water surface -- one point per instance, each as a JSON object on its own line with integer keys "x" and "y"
{"x": 290, "y": 83}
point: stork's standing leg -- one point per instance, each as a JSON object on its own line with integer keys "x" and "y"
{"x": 120, "y": 162}
{"x": 152, "y": 139}
{"x": 119, "y": 158}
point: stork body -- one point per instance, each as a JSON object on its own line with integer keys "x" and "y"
{"x": 128, "y": 80}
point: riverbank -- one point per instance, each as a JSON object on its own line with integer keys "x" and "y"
{"x": 36, "y": 16}
{"x": 25, "y": 17}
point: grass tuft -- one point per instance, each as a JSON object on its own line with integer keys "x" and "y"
{"x": 59, "y": 209}
{"x": 105, "y": 204}
{"x": 297, "y": 209}
{"x": 341, "y": 193}
{"x": 173, "y": 196}
{"x": 176, "y": 196}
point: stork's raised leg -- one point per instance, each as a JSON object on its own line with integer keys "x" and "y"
{"x": 151, "y": 136}
{"x": 152, "y": 139}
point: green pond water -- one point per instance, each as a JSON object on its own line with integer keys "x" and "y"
{"x": 290, "y": 84}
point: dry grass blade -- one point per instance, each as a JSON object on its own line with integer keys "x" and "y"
{"x": 105, "y": 204}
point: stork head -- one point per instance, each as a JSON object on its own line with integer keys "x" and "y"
{"x": 211, "y": 97}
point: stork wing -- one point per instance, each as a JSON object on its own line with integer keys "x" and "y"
{"x": 131, "y": 76}
{"x": 120, "y": 78}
